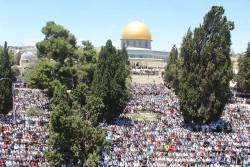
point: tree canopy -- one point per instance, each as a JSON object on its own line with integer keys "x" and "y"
{"x": 75, "y": 136}
{"x": 41, "y": 75}
{"x": 6, "y": 77}
{"x": 67, "y": 70}
{"x": 87, "y": 63}
{"x": 206, "y": 68}
{"x": 243, "y": 77}
{"x": 171, "y": 70}
{"x": 110, "y": 80}
{"x": 59, "y": 44}
{"x": 61, "y": 59}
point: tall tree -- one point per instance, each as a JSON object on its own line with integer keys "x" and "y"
{"x": 87, "y": 63}
{"x": 59, "y": 46}
{"x": 59, "y": 151}
{"x": 171, "y": 70}
{"x": 243, "y": 76}
{"x": 110, "y": 80}
{"x": 87, "y": 104}
{"x": 89, "y": 136}
{"x": 71, "y": 64}
{"x": 206, "y": 68}
{"x": 6, "y": 101}
{"x": 75, "y": 137}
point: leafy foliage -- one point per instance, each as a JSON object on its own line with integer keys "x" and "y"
{"x": 93, "y": 160}
{"x": 87, "y": 63}
{"x": 41, "y": 75}
{"x": 58, "y": 44}
{"x": 62, "y": 60}
{"x": 67, "y": 72}
{"x": 110, "y": 80}
{"x": 58, "y": 52}
{"x": 89, "y": 105}
{"x": 206, "y": 68}
{"x": 73, "y": 138}
{"x": 6, "y": 77}
{"x": 60, "y": 127}
{"x": 96, "y": 91}
{"x": 15, "y": 70}
{"x": 243, "y": 77}
{"x": 171, "y": 70}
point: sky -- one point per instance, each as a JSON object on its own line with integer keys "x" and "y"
{"x": 21, "y": 21}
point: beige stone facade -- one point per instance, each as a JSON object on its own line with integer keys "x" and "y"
{"x": 147, "y": 63}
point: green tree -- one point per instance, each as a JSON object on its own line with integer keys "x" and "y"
{"x": 15, "y": 71}
{"x": 90, "y": 138}
{"x": 87, "y": 104}
{"x": 67, "y": 72}
{"x": 87, "y": 63}
{"x": 59, "y": 45}
{"x": 110, "y": 80}
{"x": 73, "y": 138}
{"x": 59, "y": 151}
{"x": 171, "y": 70}
{"x": 41, "y": 75}
{"x": 6, "y": 77}
{"x": 243, "y": 76}
{"x": 93, "y": 160}
{"x": 206, "y": 68}
{"x": 71, "y": 64}
{"x": 92, "y": 111}
{"x": 89, "y": 54}
{"x": 88, "y": 143}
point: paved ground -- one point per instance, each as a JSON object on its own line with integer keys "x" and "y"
{"x": 146, "y": 79}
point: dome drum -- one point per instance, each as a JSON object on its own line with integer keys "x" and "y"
{"x": 136, "y": 43}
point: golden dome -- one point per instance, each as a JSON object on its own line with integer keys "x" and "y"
{"x": 136, "y": 30}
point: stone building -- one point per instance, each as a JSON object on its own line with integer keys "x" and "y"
{"x": 137, "y": 38}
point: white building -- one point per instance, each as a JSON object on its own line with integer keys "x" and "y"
{"x": 137, "y": 38}
{"x": 26, "y": 61}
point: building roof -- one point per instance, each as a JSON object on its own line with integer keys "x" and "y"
{"x": 136, "y": 30}
{"x": 27, "y": 56}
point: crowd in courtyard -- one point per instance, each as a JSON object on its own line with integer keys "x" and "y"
{"x": 169, "y": 142}
{"x": 23, "y": 138}
{"x": 166, "y": 141}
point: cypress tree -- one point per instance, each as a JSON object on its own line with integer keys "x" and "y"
{"x": 6, "y": 100}
{"x": 243, "y": 76}
{"x": 171, "y": 70}
{"x": 75, "y": 135}
{"x": 60, "y": 139}
{"x": 206, "y": 68}
{"x": 87, "y": 63}
{"x": 110, "y": 80}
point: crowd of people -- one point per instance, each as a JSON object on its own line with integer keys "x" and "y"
{"x": 23, "y": 136}
{"x": 168, "y": 141}
{"x": 165, "y": 141}
{"x": 151, "y": 98}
